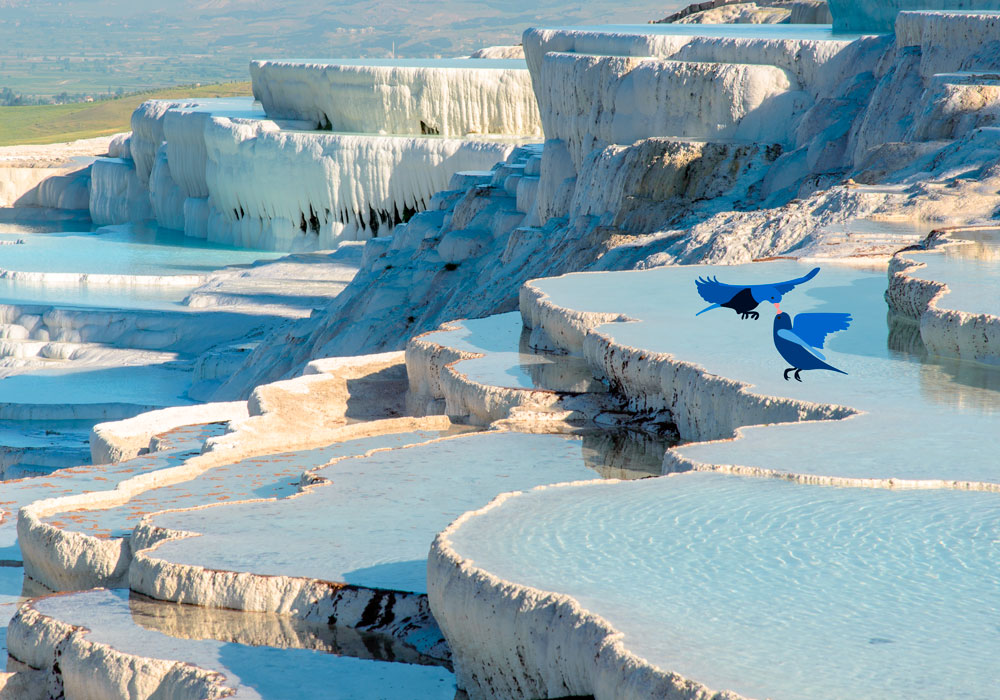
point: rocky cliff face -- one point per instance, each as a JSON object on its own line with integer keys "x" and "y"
{"x": 683, "y": 148}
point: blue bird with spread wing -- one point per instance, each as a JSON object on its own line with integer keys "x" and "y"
{"x": 799, "y": 343}
{"x": 743, "y": 299}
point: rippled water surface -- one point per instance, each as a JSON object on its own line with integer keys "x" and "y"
{"x": 770, "y": 588}
{"x": 374, "y": 523}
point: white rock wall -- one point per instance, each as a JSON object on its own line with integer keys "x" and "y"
{"x": 487, "y": 97}
{"x": 183, "y": 128}
{"x": 147, "y": 133}
{"x": 166, "y": 198}
{"x": 593, "y": 101}
{"x": 805, "y": 59}
{"x": 117, "y": 194}
{"x": 286, "y": 190}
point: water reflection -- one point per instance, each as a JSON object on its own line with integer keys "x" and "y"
{"x": 269, "y": 629}
{"x": 945, "y": 381}
{"x": 556, "y": 371}
{"x": 625, "y": 454}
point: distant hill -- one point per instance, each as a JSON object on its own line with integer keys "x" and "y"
{"x": 58, "y": 123}
{"x": 52, "y": 46}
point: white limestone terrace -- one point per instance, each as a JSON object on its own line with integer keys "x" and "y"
{"x": 99, "y": 644}
{"x": 296, "y": 190}
{"x": 374, "y": 517}
{"x": 104, "y": 529}
{"x": 308, "y": 412}
{"x": 661, "y": 587}
{"x": 868, "y": 429}
{"x": 686, "y": 361}
{"x": 483, "y": 370}
{"x": 950, "y": 290}
{"x": 174, "y": 447}
{"x": 225, "y": 170}
{"x": 802, "y": 50}
{"x": 50, "y": 175}
{"x": 450, "y": 97}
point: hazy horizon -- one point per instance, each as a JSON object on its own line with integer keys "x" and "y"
{"x": 93, "y": 46}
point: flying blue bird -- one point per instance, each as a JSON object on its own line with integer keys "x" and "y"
{"x": 800, "y": 342}
{"x": 744, "y": 299}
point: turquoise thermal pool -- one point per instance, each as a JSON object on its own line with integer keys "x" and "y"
{"x": 969, "y": 268}
{"x": 269, "y": 476}
{"x": 373, "y": 524}
{"x": 769, "y": 588}
{"x": 254, "y": 671}
{"x": 920, "y": 418}
{"x": 178, "y": 445}
{"x": 509, "y": 361}
{"x": 131, "y": 249}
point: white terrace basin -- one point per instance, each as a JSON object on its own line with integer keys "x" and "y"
{"x": 917, "y": 422}
{"x": 372, "y": 525}
{"x": 253, "y": 672}
{"x": 102, "y": 393}
{"x": 507, "y": 359}
{"x": 269, "y": 476}
{"x": 969, "y": 269}
{"x": 128, "y": 251}
{"x": 450, "y": 97}
{"x": 761, "y": 586}
{"x": 802, "y": 50}
{"x": 178, "y": 444}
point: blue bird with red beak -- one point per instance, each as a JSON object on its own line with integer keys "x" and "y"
{"x": 743, "y": 299}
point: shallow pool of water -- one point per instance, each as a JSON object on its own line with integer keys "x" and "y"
{"x": 508, "y": 359}
{"x": 917, "y": 423}
{"x": 969, "y": 269}
{"x": 256, "y": 671}
{"x": 130, "y": 249}
{"x": 267, "y": 476}
{"x": 373, "y": 524}
{"x": 769, "y": 588}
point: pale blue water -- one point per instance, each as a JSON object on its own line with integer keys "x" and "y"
{"x": 255, "y": 672}
{"x": 969, "y": 270}
{"x": 372, "y": 526}
{"x": 769, "y": 588}
{"x": 508, "y": 361}
{"x": 141, "y": 385}
{"x": 133, "y": 249}
{"x": 923, "y": 419}
{"x": 269, "y": 476}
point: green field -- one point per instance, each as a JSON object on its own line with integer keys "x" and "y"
{"x": 58, "y": 123}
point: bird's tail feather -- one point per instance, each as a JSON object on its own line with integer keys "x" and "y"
{"x": 708, "y": 308}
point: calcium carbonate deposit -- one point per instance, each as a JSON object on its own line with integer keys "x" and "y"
{"x": 390, "y": 381}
